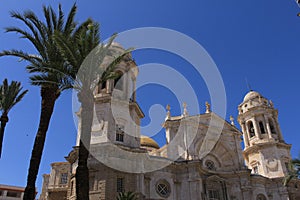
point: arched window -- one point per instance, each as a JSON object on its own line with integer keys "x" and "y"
{"x": 262, "y": 127}
{"x": 251, "y": 129}
{"x": 261, "y": 197}
{"x": 118, "y": 81}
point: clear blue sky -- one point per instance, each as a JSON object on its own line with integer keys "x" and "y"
{"x": 254, "y": 39}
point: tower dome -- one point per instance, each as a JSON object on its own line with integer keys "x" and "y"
{"x": 253, "y": 99}
{"x": 252, "y": 95}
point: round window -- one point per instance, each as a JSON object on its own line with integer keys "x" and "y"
{"x": 163, "y": 188}
{"x": 210, "y": 165}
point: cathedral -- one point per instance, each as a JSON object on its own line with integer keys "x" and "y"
{"x": 203, "y": 158}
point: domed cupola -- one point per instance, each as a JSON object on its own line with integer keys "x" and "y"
{"x": 253, "y": 99}
{"x": 148, "y": 143}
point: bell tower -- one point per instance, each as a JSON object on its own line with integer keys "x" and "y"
{"x": 116, "y": 112}
{"x": 265, "y": 151}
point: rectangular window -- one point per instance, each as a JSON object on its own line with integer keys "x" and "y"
{"x": 255, "y": 170}
{"x": 119, "y": 133}
{"x": 64, "y": 178}
{"x": 1, "y": 192}
{"x": 92, "y": 183}
{"x": 13, "y": 194}
{"x": 120, "y": 184}
{"x": 213, "y": 195}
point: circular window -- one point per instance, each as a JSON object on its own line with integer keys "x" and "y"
{"x": 163, "y": 188}
{"x": 210, "y": 165}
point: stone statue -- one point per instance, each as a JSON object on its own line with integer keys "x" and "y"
{"x": 207, "y": 107}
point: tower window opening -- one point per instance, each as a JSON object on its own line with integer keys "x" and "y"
{"x": 103, "y": 85}
{"x": 118, "y": 82}
{"x": 119, "y": 133}
{"x": 262, "y": 128}
{"x": 251, "y": 129}
{"x": 273, "y": 131}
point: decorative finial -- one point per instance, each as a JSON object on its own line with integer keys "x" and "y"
{"x": 248, "y": 85}
{"x": 168, "y": 107}
{"x": 260, "y": 99}
{"x": 232, "y": 120}
{"x": 271, "y": 104}
{"x": 207, "y": 107}
{"x": 185, "y": 112}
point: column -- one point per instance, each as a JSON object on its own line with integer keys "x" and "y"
{"x": 245, "y": 134}
{"x": 109, "y": 86}
{"x": 280, "y": 137}
{"x": 133, "y": 90}
{"x": 268, "y": 127}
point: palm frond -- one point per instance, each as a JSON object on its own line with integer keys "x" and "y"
{"x": 10, "y": 95}
{"x": 70, "y": 24}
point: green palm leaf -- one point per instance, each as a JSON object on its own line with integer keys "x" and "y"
{"x": 10, "y": 95}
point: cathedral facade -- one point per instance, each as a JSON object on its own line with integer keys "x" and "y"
{"x": 202, "y": 160}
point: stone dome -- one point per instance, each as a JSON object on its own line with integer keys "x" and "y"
{"x": 148, "y": 142}
{"x": 117, "y": 45}
{"x": 251, "y": 95}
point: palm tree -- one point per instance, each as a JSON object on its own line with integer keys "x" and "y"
{"x": 293, "y": 171}
{"x": 85, "y": 53}
{"x": 127, "y": 196}
{"x": 49, "y": 70}
{"x": 10, "y": 95}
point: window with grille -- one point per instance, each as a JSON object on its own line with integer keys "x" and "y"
{"x": 210, "y": 165}
{"x": 119, "y": 133}
{"x": 120, "y": 184}
{"x": 64, "y": 178}
{"x": 213, "y": 195}
{"x": 163, "y": 188}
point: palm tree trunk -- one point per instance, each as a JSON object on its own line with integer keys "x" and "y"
{"x": 4, "y": 120}
{"x": 49, "y": 96}
{"x": 82, "y": 171}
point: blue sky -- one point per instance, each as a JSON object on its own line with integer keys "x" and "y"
{"x": 257, "y": 40}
